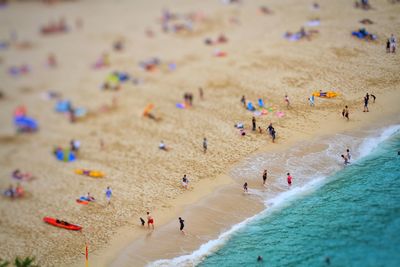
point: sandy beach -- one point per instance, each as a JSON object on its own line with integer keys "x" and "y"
{"x": 259, "y": 63}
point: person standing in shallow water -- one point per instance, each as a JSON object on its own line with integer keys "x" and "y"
{"x": 289, "y": 179}
{"x": 265, "y": 177}
{"x": 181, "y": 225}
{"x": 245, "y": 189}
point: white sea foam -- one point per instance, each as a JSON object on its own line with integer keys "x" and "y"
{"x": 312, "y": 182}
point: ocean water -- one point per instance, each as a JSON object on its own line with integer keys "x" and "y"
{"x": 352, "y": 220}
{"x": 333, "y": 216}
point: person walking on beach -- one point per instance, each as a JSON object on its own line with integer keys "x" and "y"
{"x": 269, "y": 128}
{"x": 366, "y": 99}
{"x": 205, "y": 145}
{"x": 253, "y": 121}
{"x": 245, "y": 189}
{"x": 243, "y": 101}
{"x": 287, "y": 101}
{"x": 289, "y": 179}
{"x": 150, "y": 221}
{"x": 311, "y": 100}
{"x": 108, "y": 195}
{"x": 345, "y": 112}
{"x": 201, "y": 93}
{"x": 393, "y": 43}
{"x": 273, "y": 135}
{"x": 181, "y": 225}
{"x": 265, "y": 177}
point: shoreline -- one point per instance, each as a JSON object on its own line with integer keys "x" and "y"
{"x": 225, "y": 183}
{"x": 258, "y": 63}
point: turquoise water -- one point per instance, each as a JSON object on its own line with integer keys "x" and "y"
{"x": 354, "y": 220}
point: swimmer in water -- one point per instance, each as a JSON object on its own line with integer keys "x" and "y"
{"x": 259, "y": 258}
{"x": 346, "y": 160}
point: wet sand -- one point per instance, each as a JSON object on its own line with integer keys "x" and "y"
{"x": 259, "y": 63}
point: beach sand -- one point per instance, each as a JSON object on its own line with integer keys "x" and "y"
{"x": 259, "y": 63}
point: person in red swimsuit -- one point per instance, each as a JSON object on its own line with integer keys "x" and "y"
{"x": 289, "y": 179}
{"x": 150, "y": 220}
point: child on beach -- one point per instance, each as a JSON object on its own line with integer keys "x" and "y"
{"x": 289, "y": 179}
{"x": 366, "y": 99}
{"x": 108, "y": 195}
{"x": 374, "y": 97}
{"x": 150, "y": 220}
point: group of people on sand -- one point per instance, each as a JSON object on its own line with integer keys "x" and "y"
{"x": 391, "y": 44}
{"x": 345, "y": 111}
{"x": 150, "y": 221}
{"x": 12, "y": 192}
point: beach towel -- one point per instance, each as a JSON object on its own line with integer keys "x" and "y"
{"x": 250, "y": 106}
{"x": 24, "y": 123}
{"x": 260, "y": 103}
{"x": 63, "y": 106}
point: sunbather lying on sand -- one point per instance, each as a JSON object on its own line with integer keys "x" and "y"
{"x": 17, "y": 174}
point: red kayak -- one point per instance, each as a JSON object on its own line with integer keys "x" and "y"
{"x": 62, "y": 224}
{"x": 83, "y": 202}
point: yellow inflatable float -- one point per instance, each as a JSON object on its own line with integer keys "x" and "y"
{"x": 328, "y": 94}
{"x": 94, "y": 174}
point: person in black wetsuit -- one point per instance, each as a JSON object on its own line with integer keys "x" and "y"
{"x": 182, "y": 224}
